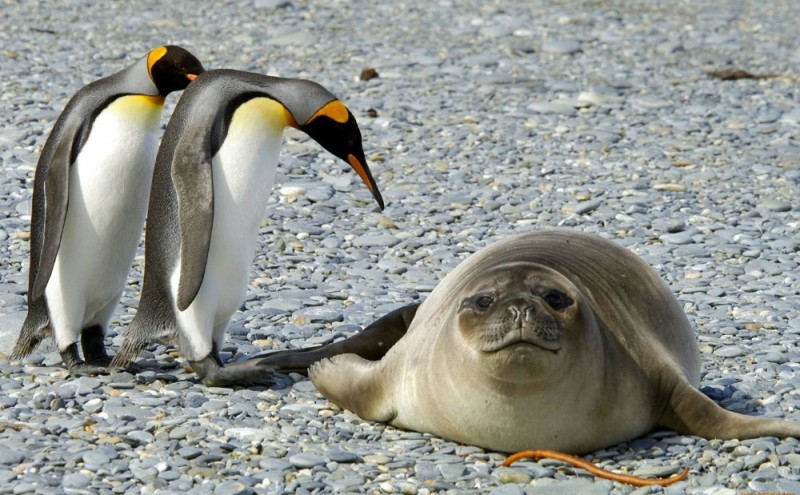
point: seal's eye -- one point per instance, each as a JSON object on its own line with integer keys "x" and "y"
{"x": 557, "y": 299}
{"x": 483, "y": 302}
{"x": 480, "y": 302}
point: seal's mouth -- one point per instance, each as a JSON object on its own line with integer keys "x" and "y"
{"x": 526, "y": 345}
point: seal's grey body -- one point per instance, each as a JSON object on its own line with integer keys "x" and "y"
{"x": 549, "y": 340}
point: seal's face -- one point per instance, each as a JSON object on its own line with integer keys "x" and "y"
{"x": 520, "y": 318}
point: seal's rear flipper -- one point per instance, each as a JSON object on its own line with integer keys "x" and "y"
{"x": 371, "y": 343}
{"x": 691, "y": 412}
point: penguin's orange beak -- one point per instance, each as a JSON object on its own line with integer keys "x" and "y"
{"x": 366, "y": 176}
{"x": 191, "y": 77}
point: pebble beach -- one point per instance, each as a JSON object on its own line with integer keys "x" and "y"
{"x": 671, "y": 127}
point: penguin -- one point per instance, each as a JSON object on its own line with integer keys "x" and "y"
{"x": 90, "y": 192}
{"x": 213, "y": 175}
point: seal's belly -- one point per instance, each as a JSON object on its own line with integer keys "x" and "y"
{"x": 579, "y": 414}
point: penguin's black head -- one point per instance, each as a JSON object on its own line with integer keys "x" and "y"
{"x": 172, "y": 68}
{"x": 335, "y": 128}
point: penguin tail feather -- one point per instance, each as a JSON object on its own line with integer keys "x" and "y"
{"x": 35, "y": 329}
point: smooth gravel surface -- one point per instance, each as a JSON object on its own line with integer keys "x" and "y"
{"x": 669, "y": 126}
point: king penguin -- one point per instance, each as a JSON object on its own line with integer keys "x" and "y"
{"x": 213, "y": 174}
{"x": 90, "y": 192}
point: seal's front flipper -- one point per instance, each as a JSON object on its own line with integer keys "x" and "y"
{"x": 371, "y": 343}
{"x": 691, "y": 412}
{"x": 355, "y": 384}
{"x": 213, "y": 373}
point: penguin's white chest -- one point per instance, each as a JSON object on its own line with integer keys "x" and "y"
{"x": 109, "y": 186}
{"x": 114, "y": 169}
{"x": 243, "y": 174}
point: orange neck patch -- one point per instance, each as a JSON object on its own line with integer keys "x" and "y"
{"x": 334, "y": 110}
{"x": 153, "y": 57}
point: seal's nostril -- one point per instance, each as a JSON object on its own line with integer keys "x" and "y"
{"x": 529, "y": 313}
{"x": 514, "y": 312}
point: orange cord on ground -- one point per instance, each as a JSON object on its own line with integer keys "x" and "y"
{"x": 588, "y": 466}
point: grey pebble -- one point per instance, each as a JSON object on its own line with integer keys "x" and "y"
{"x": 140, "y": 437}
{"x": 11, "y": 456}
{"x": 94, "y": 460}
{"x": 76, "y": 481}
{"x": 451, "y": 471}
{"x": 233, "y": 488}
{"x": 563, "y": 46}
{"x": 195, "y": 400}
{"x": 375, "y": 240}
{"x": 179, "y": 433}
{"x": 679, "y": 238}
{"x": 343, "y": 457}
{"x": 581, "y": 486}
{"x": 306, "y": 460}
{"x": 553, "y": 107}
{"x": 779, "y": 206}
{"x": 272, "y": 464}
{"x": 190, "y": 452}
{"x": 585, "y": 207}
{"x": 352, "y": 484}
{"x": 508, "y": 490}
{"x": 657, "y": 471}
{"x": 788, "y": 486}
{"x": 426, "y": 470}
{"x": 729, "y": 352}
{"x": 272, "y": 4}
{"x": 318, "y": 315}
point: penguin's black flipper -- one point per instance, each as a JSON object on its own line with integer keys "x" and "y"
{"x": 60, "y": 151}
{"x": 371, "y": 343}
{"x": 192, "y": 175}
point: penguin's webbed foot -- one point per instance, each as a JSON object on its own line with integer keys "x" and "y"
{"x": 94, "y": 347}
{"x": 77, "y": 366}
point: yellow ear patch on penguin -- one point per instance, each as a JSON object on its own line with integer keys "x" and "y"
{"x": 153, "y": 57}
{"x": 334, "y": 110}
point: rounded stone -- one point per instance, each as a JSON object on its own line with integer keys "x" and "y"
{"x": 562, "y": 46}
{"x": 306, "y": 460}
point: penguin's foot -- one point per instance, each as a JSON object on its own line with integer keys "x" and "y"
{"x": 213, "y": 373}
{"x": 94, "y": 347}
{"x": 77, "y": 366}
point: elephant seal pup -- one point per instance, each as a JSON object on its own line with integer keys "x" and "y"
{"x": 548, "y": 340}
